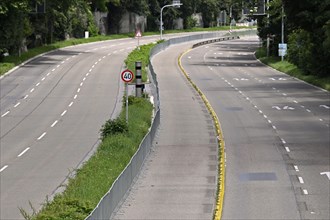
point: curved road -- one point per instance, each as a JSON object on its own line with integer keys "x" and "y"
{"x": 276, "y": 130}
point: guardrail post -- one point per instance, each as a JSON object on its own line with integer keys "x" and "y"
{"x": 138, "y": 78}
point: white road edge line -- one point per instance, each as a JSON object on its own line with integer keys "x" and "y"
{"x": 3, "y": 168}
{"x": 23, "y": 152}
{"x": 41, "y": 136}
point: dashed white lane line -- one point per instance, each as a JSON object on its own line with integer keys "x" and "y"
{"x": 58, "y": 66}
{"x": 93, "y": 66}
{"x": 31, "y": 90}
{"x": 23, "y": 152}
{"x": 54, "y": 123}
{"x": 269, "y": 121}
{"x": 284, "y": 94}
{"x": 70, "y": 104}
{"x": 287, "y": 149}
{"x": 37, "y": 84}
{"x": 63, "y": 62}
{"x": 295, "y": 101}
{"x": 100, "y": 59}
{"x": 43, "y": 79}
{"x": 90, "y": 70}
{"x": 81, "y": 84}
{"x": 75, "y": 96}
{"x": 305, "y": 191}
{"x": 53, "y": 70}
{"x": 6, "y": 113}
{"x": 3, "y": 168}
{"x": 78, "y": 90}
{"x": 41, "y": 136}
{"x": 274, "y": 127}
{"x": 48, "y": 74}
{"x": 265, "y": 116}
{"x": 308, "y": 110}
{"x": 296, "y": 168}
{"x": 26, "y": 96}
{"x": 17, "y": 104}
{"x": 283, "y": 141}
{"x": 320, "y": 119}
{"x": 63, "y": 113}
{"x": 301, "y": 180}
{"x": 260, "y": 112}
{"x": 85, "y": 78}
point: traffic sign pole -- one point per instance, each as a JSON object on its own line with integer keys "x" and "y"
{"x": 127, "y": 76}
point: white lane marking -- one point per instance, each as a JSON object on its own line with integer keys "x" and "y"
{"x": 32, "y": 90}
{"x": 325, "y": 106}
{"x": 274, "y": 127}
{"x": 260, "y": 112}
{"x": 81, "y": 83}
{"x": 75, "y": 96}
{"x": 48, "y": 74}
{"x": 6, "y": 113}
{"x": 283, "y": 141}
{"x": 101, "y": 59}
{"x": 70, "y": 104}
{"x": 265, "y": 116}
{"x": 84, "y": 78}
{"x": 302, "y": 106}
{"x": 301, "y": 180}
{"x": 41, "y": 136}
{"x": 288, "y": 108}
{"x": 23, "y": 152}
{"x": 320, "y": 119}
{"x": 63, "y": 62}
{"x": 96, "y": 63}
{"x": 256, "y": 106}
{"x": 326, "y": 173}
{"x": 274, "y": 88}
{"x": 67, "y": 58}
{"x": 26, "y": 96}
{"x": 58, "y": 66}
{"x": 78, "y": 90}
{"x": 287, "y": 149}
{"x": 63, "y": 113}
{"x": 3, "y": 168}
{"x": 295, "y": 101}
{"x": 53, "y": 70}
{"x": 37, "y": 84}
{"x": 247, "y": 98}
{"x": 73, "y": 56}
{"x": 54, "y": 123}
{"x": 296, "y": 168}
{"x": 43, "y": 79}
{"x": 90, "y": 70}
{"x": 284, "y": 94}
{"x": 87, "y": 74}
{"x": 308, "y": 110}
{"x": 17, "y": 104}
{"x": 305, "y": 191}
{"x": 93, "y": 66}
{"x": 110, "y": 53}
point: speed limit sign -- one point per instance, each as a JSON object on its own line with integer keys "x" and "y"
{"x": 127, "y": 76}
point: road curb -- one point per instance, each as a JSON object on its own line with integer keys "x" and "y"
{"x": 221, "y": 144}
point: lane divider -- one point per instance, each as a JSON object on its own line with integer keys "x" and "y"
{"x": 221, "y": 143}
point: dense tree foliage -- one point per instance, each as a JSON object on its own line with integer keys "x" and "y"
{"x": 307, "y": 32}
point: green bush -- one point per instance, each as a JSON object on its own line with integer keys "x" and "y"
{"x": 112, "y": 127}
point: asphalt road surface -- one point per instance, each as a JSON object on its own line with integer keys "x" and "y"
{"x": 51, "y": 111}
{"x": 276, "y": 130}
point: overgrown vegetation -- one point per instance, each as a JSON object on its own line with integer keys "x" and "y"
{"x": 293, "y": 70}
{"x": 93, "y": 180}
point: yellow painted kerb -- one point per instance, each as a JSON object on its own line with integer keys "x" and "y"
{"x": 221, "y": 144}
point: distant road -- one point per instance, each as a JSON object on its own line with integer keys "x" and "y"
{"x": 276, "y": 130}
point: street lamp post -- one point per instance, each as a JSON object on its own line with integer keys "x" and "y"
{"x": 175, "y": 3}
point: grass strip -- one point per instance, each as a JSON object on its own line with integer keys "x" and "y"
{"x": 292, "y": 70}
{"x": 93, "y": 180}
{"x": 11, "y": 61}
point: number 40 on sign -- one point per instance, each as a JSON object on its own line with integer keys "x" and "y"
{"x": 127, "y": 76}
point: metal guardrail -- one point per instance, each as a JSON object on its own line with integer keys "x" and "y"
{"x": 119, "y": 188}
{"x": 214, "y": 40}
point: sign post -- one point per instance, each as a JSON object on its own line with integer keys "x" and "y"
{"x": 138, "y": 34}
{"x": 282, "y": 49}
{"x": 127, "y": 76}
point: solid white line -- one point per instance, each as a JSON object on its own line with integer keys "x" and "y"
{"x": 41, "y": 136}
{"x": 32, "y": 90}
{"x": 6, "y": 113}
{"x": 23, "y": 152}
{"x": 63, "y": 113}
{"x": 43, "y": 79}
{"x": 17, "y": 104}
{"x": 301, "y": 180}
{"x": 3, "y": 168}
{"x": 70, "y": 104}
{"x": 25, "y": 97}
{"x": 287, "y": 149}
{"x": 296, "y": 168}
{"x": 37, "y": 84}
{"x": 75, "y": 96}
{"x": 78, "y": 90}
{"x": 54, "y": 123}
{"x": 305, "y": 191}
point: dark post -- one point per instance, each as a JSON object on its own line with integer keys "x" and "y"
{"x": 138, "y": 78}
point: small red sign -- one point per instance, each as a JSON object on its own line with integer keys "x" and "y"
{"x": 127, "y": 76}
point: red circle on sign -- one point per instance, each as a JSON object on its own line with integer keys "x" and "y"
{"x": 127, "y": 76}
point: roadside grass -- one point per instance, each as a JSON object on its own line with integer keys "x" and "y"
{"x": 292, "y": 70}
{"x": 11, "y": 61}
{"x": 94, "y": 179}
